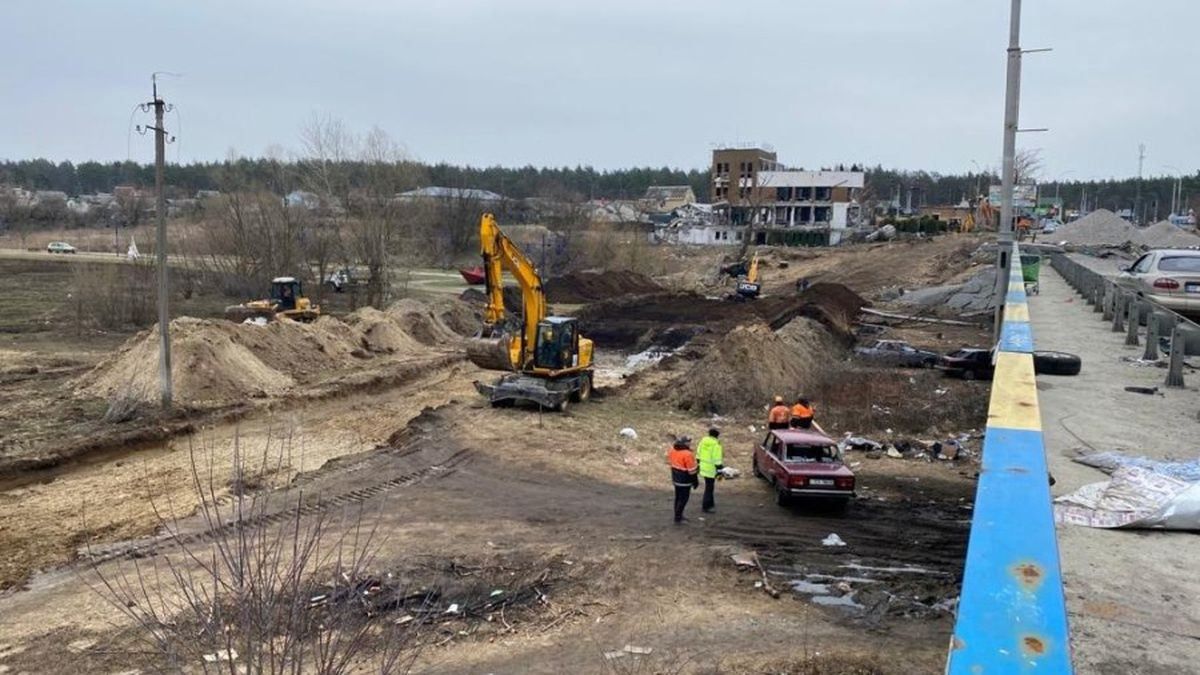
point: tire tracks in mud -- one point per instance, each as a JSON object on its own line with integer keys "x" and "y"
{"x": 409, "y": 441}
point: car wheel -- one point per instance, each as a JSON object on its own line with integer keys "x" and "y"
{"x": 841, "y": 504}
{"x": 782, "y": 498}
{"x": 754, "y": 467}
{"x": 1056, "y": 363}
{"x": 928, "y": 363}
{"x": 969, "y": 374}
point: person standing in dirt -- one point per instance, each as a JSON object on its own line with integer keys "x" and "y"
{"x": 710, "y": 457}
{"x": 778, "y": 416}
{"x": 683, "y": 473}
{"x": 802, "y": 414}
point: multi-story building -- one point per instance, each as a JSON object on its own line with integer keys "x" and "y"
{"x": 752, "y": 188}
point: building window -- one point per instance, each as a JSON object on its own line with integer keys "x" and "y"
{"x": 822, "y": 214}
{"x": 824, "y": 194}
{"x": 783, "y": 194}
{"x": 739, "y": 236}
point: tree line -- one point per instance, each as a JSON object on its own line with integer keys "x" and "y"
{"x": 578, "y": 183}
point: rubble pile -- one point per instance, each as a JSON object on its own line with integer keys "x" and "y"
{"x": 1098, "y": 228}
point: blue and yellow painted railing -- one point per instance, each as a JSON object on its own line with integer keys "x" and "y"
{"x": 1012, "y": 614}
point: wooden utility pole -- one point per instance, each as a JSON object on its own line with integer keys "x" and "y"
{"x": 160, "y": 212}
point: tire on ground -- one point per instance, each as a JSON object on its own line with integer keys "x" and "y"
{"x": 1056, "y": 363}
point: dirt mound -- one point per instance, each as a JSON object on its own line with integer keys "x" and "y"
{"x": 752, "y": 363}
{"x": 423, "y": 323}
{"x": 635, "y": 321}
{"x": 1098, "y": 228}
{"x": 210, "y": 365}
{"x": 220, "y": 363}
{"x": 592, "y": 285}
{"x": 379, "y": 333}
{"x": 1165, "y": 234}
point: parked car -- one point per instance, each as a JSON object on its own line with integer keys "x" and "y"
{"x": 1050, "y": 225}
{"x": 1169, "y": 276}
{"x": 803, "y": 463}
{"x": 976, "y": 363}
{"x": 59, "y": 247}
{"x": 898, "y": 353}
{"x": 343, "y": 279}
{"x": 970, "y": 364}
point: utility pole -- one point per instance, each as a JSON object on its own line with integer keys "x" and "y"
{"x": 1012, "y": 102}
{"x": 160, "y": 212}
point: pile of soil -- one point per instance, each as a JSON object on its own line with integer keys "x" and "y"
{"x": 635, "y": 322}
{"x": 1165, "y": 234}
{"x": 218, "y": 363}
{"x": 1098, "y": 228}
{"x": 592, "y": 285}
{"x": 751, "y": 364}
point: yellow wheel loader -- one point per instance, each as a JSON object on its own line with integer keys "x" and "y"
{"x": 287, "y": 299}
{"x": 549, "y": 362}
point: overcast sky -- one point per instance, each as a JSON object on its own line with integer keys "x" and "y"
{"x": 903, "y": 83}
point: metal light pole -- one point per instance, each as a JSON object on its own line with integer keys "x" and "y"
{"x": 160, "y": 211}
{"x": 1012, "y": 101}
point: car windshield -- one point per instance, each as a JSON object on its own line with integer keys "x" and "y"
{"x": 1180, "y": 264}
{"x": 797, "y": 452}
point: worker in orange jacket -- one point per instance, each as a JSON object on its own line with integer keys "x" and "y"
{"x": 777, "y": 417}
{"x": 684, "y": 473}
{"x": 802, "y": 414}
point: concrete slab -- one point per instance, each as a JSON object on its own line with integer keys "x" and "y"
{"x": 1133, "y": 597}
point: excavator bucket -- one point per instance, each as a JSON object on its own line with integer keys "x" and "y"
{"x": 492, "y": 354}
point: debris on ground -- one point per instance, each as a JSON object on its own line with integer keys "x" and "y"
{"x": 1134, "y": 498}
{"x": 729, "y": 472}
{"x": 1165, "y": 234}
{"x": 1111, "y": 461}
{"x": 858, "y": 443}
{"x": 629, "y": 433}
{"x": 832, "y": 540}
{"x": 1150, "y": 391}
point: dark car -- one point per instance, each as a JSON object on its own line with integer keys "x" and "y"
{"x": 976, "y": 363}
{"x": 969, "y": 364}
{"x": 803, "y": 463}
{"x": 898, "y": 353}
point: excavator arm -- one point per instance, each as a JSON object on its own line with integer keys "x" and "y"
{"x": 500, "y": 253}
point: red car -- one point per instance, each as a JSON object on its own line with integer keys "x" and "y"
{"x": 803, "y": 463}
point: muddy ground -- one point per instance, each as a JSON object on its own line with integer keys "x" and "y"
{"x": 452, "y": 485}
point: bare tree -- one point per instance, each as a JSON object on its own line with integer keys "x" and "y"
{"x": 1027, "y": 164}
{"x": 265, "y": 587}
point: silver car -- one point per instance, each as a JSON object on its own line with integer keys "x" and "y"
{"x": 1169, "y": 276}
{"x": 898, "y": 353}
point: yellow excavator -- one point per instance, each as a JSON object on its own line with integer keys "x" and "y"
{"x": 287, "y": 299}
{"x": 749, "y": 285}
{"x": 550, "y": 363}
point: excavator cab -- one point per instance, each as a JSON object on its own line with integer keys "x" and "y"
{"x": 557, "y": 343}
{"x": 284, "y": 291}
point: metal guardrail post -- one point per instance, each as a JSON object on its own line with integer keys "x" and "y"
{"x": 1151, "y": 353}
{"x": 1175, "y": 366}
{"x": 1134, "y": 318}
{"x": 1110, "y": 298}
{"x": 1098, "y": 297}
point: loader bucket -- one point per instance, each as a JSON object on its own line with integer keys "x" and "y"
{"x": 491, "y": 354}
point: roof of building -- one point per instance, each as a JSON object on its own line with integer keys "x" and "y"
{"x": 664, "y": 192}
{"x": 438, "y": 192}
{"x": 769, "y": 179}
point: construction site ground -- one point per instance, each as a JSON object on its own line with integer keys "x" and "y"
{"x": 1131, "y": 594}
{"x": 448, "y": 478}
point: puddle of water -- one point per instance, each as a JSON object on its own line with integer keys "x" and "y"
{"x": 808, "y": 587}
{"x": 846, "y": 600}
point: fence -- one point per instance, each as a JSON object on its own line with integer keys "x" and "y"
{"x": 1012, "y": 615}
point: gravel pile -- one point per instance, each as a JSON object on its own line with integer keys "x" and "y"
{"x": 1098, "y": 228}
{"x": 1164, "y": 234}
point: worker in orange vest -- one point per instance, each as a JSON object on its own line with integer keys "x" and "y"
{"x": 778, "y": 416}
{"x": 684, "y": 473}
{"x": 802, "y": 414}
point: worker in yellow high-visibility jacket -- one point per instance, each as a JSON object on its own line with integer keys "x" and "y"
{"x": 711, "y": 459}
